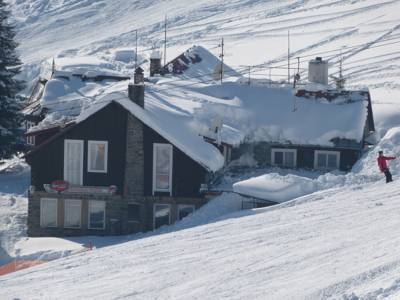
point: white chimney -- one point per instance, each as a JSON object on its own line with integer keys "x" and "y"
{"x": 318, "y": 71}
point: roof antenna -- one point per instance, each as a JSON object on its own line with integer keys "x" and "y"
{"x": 222, "y": 59}
{"x": 165, "y": 41}
{"x": 136, "y": 50}
{"x": 295, "y": 80}
{"x": 288, "y": 56}
{"x": 53, "y": 67}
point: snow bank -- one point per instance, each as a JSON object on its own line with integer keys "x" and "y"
{"x": 46, "y": 248}
{"x": 331, "y": 244}
{"x": 276, "y": 188}
{"x": 14, "y": 176}
{"x": 390, "y": 145}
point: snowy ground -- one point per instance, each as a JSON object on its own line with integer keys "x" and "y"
{"x": 340, "y": 242}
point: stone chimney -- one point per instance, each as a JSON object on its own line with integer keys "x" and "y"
{"x": 139, "y": 77}
{"x": 136, "y": 93}
{"x": 155, "y": 63}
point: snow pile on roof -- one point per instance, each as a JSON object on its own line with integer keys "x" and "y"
{"x": 82, "y": 64}
{"x": 198, "y": 63}
{"x": 276, "y": 188}
{"x": 275, "y": 115}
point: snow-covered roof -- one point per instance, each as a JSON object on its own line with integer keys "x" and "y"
{"x": 182, "y": 107}
{"x": 174, "y": 125}
{"x": 276, "y": 188}
{"x": 275, "y": 114}
{"x": 198, "y": 63}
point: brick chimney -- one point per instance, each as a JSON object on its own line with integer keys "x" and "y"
{"x": 136, "y": 93}
{"x": 155, "y": 63}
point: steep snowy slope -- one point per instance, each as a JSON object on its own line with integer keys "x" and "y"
{"x": 341, "y": 242}
{"x": 366, "y": 32}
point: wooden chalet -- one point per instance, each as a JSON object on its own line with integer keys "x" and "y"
{"x": 111, "y": 173}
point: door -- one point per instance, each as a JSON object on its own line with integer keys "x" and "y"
{"x": 73, "y": 161}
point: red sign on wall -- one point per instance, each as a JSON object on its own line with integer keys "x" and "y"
{"x": 59, "y": 185}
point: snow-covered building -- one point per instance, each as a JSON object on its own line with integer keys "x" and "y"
{"x": 136, "y": 156}
{"x": 123, "y": 170}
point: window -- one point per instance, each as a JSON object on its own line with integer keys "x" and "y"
{"x": 97, "y": 214}
{"x": 72, "y": 213}
{"x": 48, "y": 212}
{"x": 326, "y": 160}
{"x": 98, "y": 153}
{"x": 161, "y": 215}
{"x": 162, "y": 168}
{"x": 73, "y": 161}
{"x": 133, "y": 212}
{"x": 184, "y": 210}
{"x": 284, "y": 157}
{"x": 30, "y": 139}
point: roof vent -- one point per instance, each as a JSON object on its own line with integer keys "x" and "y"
{"x": 155, "y": 63}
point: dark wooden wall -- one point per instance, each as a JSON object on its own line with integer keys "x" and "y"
{"x": 187, "y": 175}
{"x": 109, "y": 124}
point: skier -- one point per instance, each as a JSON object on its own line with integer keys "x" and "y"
{"x": 383, "y": 166}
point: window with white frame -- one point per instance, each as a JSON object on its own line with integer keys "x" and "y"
{"x": 284, "y": 157}
{"x": 48, "y": 212}
{"x": 161, "y": 215}
{"x": 162, "y": 168}
{"x": 30, "y": 139}
{"x": 97, "y": 214}
{"x": 73, "y": 161}
{"x": 72, "y": 213}
{"x": 97, "y": 156}
{"x": 326, "y": 160}
{"x": 184, "y": 210}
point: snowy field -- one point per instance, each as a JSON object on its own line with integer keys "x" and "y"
{"x": 339, "y": 240}
{"x": 340, "y": 244}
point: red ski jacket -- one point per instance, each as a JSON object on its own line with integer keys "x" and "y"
{"x": 382, "y": 162}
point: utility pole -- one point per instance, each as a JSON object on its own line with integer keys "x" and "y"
{"x": 165, "y": 40}
{"x": 288, "y": 56}
{"x": 297, "y": 76}
{"x": 222, "y": 59}
{"x": 53, "y": 67}
{"x": 136, "y": 51}
{"x": 249, "y": 75}
{"x": 270, "y": 78}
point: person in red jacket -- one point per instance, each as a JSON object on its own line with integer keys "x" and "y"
{"x": 383, "y": 166}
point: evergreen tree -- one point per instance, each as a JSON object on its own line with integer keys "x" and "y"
{"x": 10, "y": 117}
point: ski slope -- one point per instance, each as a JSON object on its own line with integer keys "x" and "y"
{"x": 339, "y": 243}
{"x": 366, "y": 33}
{"x": 332, "y": 244}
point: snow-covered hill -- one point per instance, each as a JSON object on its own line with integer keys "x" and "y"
{"x": 340, "y": 242}
{"x": 333, "y": 244}
{"x": 365, "y": 33}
